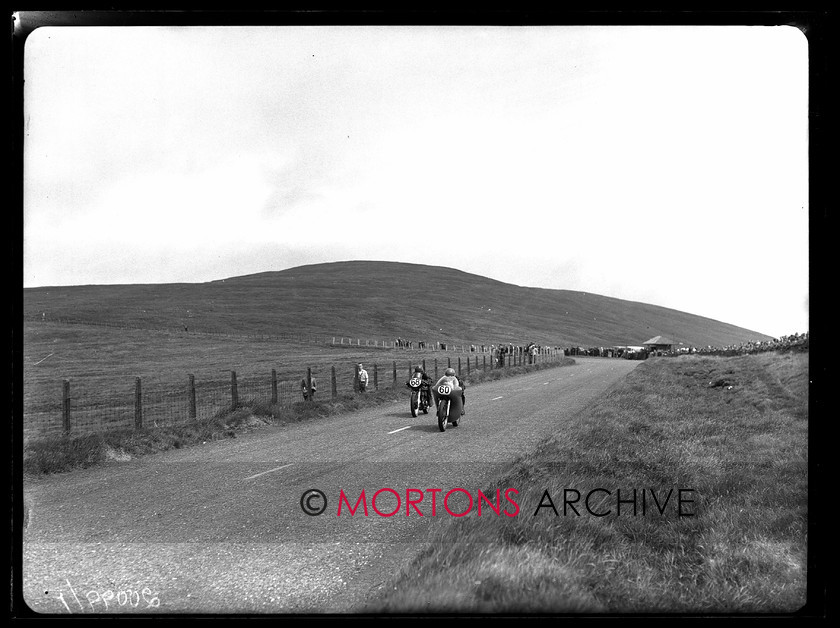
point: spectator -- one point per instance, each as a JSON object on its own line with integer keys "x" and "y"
{"x": 308, "y": 393}
{"x": 362, "y": 378}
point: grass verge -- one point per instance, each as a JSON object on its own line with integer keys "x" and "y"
{"x": 59, "y": 454}
{"x": 733, "y": 430}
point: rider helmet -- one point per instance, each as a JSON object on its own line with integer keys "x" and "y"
{"x": 450, "y": 372}
{"x": 418, "y": 369}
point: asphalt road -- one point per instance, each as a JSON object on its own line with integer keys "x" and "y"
{"x": 220, "y": 528}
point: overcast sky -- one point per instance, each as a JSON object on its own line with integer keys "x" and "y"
{"x": 667, "y": 165}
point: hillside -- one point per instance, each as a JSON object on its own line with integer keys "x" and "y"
{"x": 381, "y": 300}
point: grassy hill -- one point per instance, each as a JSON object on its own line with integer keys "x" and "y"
{"x": 381, "y": 300}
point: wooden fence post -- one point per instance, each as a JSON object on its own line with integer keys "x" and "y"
{"x": 191, "y": 394}
{"x": 375, "y": 378}
{"x": 424, "y": 365}
{"x": 309, "y": 383}
{"x": 449, "y": 362}
{"x": 234, "y": 392}
{"x": 138, "y": 406}
{"x": 395, "y": 372}
{"x": 468, "y": 367}
{"x": 65, "y": 405}
{"x": 459, "y": 366}
{"x": 436, "y": 370}
{"x": 334, "y": 388}
{"x": 274, "y": 386}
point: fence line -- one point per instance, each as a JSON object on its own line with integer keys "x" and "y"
{"x": 79, "y": 410}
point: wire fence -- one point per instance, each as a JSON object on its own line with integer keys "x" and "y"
{"x": 80, "y": 409}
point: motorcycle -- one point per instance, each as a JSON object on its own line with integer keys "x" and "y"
{"x": 420, "y": 400}
{"x": 449, "y": 404}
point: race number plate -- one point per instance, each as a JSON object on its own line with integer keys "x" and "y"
{"x": 444, "y": 390}
{"x": 414, "y": 381}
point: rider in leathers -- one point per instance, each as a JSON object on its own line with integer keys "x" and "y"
{"x": 450, "y": 378}
{"x": 425, "y": 385}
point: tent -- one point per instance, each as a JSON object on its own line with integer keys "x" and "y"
{"x": 659, "y": 343}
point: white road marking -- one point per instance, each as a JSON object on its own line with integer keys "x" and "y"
{"x": 400, "y": 430}
{"x": 545, "y": 383}
{"x": 494, "y": 398}
{"x": 269, "y": 471}
{"x": 39, "y": 361}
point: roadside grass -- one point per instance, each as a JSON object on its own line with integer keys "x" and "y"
{"x": 63, "y": 453}
{"x": 732, "y": 429}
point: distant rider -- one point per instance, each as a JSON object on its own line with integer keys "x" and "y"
{"x": 450, "y": 378}
{"x": 425, "y": 383}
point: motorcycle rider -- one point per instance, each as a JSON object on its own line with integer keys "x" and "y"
{"x": 425, "y": 383}
{"x": 450, "y": 378}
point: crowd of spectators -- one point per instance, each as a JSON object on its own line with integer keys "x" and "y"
{"x": 794, "y": 342}
{"x": 510, "y": 353}
{"x": 609, "y": 352}
{"x": 517, "y": 354}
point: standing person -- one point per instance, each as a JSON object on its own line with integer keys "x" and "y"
{"x": 308, "y": 392}
{"x": 363, "y": 378}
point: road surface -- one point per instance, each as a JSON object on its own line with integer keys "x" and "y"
{"x": 221, "y": 527}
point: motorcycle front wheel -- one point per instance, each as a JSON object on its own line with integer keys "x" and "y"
{"x": 415, "y": 402}
{"x": 443, "y": 414}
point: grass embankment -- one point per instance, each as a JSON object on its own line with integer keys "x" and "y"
{"x": 59, "y": 454}
{"x": 732, "y": 429}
